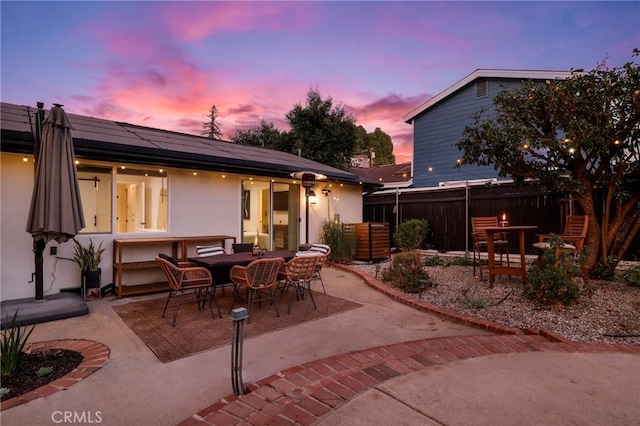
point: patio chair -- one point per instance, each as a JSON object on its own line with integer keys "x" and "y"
{"x": 501, "y": 244}
{"x": 183, "y": 278}
{"x": 258, "y": 279}
{"x": 322, "y": 249}
{"x": 298, "y": 273}
{"x": 573, "y": 236}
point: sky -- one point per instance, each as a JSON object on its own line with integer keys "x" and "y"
{"x": 163, "y": 64}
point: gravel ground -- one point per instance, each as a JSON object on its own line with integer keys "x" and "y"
{"x": 609, "y": 315}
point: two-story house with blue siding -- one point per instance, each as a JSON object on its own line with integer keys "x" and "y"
{"x": 439, "y": 122}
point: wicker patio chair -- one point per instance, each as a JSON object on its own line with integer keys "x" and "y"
{"x": 297, "y": 274}
{"x": 258, "y": 280}
{"x": 184, "y": 278}
{"x": 324, "y": 250}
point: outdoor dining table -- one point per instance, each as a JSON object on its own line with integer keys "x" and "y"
{"x": 519, "y": 271}
{"x": 220, "y": 266}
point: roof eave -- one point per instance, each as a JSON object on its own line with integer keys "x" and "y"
{"x": 486, "y": 73}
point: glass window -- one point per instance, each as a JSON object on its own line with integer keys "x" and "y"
{"x": 95, "y": 191}
{"x": 142, "y": 199}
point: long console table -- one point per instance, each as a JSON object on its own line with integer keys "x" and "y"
{"x": 178, "y": 246}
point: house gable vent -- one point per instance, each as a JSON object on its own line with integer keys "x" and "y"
{"x": 482, "y": 88}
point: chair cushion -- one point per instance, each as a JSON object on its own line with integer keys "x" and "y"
{"x": 242, "y": 247}
{"x": 206, "y": 251}
{"x": 308, "y": 253}
{"x": 169, "y": 259}
{"x": 322, "y": 248}
{"x": 545, "y": 246}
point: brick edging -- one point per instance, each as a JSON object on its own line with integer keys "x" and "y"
{"x": 94, "y": 357}
{"x": 307, "y": 393}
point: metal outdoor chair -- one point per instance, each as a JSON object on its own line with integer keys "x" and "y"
{"x": 258, "y": 280}
{"x": 297, "y": 274}
{"x": 184, "y": 278}
{"x": 501, "y": 244}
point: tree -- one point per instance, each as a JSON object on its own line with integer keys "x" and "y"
{"x": 582, "y": 136}
{"x": 211, "y": 128}
{"x": 321, "y": 131}
{"x": 377, "y": 142}
{"x": 266, "y": 136}
{"x": 381, "y": 144}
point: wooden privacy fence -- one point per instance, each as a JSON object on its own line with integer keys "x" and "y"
{"x": 449, "y": 211}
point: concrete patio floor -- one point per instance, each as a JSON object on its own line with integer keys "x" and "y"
{"x": 134, "y": 387}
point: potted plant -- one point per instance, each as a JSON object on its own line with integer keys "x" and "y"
{"x": 88, "y": 258}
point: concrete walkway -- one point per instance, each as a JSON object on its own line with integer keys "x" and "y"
{"x": 383, "y": 361}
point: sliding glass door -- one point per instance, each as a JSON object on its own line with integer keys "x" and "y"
{"x": 270, "y": 214}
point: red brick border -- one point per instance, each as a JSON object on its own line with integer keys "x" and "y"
{"x": 94, "y": 354}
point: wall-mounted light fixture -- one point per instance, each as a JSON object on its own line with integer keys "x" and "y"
{"x": 326, "y": 192}
{"x": 308, "y": 181}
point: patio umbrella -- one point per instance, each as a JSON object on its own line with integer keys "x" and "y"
{"x": 56, "y": 209}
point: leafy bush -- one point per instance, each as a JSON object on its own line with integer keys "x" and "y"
{"x": 632, "y": 276}
{"x": 552, "y": 280}
{"x": 478, "y": 302}
{"x": 342, "y": 240}
{"x": 407, "y": 273}
{"x": 434, "y": 261}
{"x": 44, "y": 371}
{"x": 14, "y": 338}
{"x": 605, "y": 271}
{"x": 411, "y": 233}
{"x": 460, "y": 261}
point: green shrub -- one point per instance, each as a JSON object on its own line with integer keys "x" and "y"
{"x": 434, "y": 261}
{"x": 14, "y": 338}
{"x": 478, "y": 302}
{"x": 460, "y": 261}
{"x": 411, "y": 233}
{"x": 552, "y": 280}
{"x": 407, "y": 273}
{"x": 44, "y": 371}
{"x": 342, "y": 240}
{"x": 605, "y": 270}
{"x": 632, "y": 276}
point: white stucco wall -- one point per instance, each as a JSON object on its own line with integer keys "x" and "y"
{"x": 202, "y": 204}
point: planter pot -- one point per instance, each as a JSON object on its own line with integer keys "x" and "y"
{"x": 91, "y": 279}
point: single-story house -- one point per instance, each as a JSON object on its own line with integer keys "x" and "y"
{"x": 143, "y": 183}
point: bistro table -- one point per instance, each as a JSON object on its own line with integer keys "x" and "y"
{"x": 220, "y": 266}
{"x": 520, "y": 271}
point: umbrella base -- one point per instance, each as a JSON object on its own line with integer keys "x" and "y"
{"x": 51, "y": 308}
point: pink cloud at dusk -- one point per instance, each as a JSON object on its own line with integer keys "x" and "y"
{"x": 164, "y": 64}
{"x": 206, "y": 19}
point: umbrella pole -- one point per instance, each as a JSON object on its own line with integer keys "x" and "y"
{"x": 39, "y": 245}
{"x": 38, "y": 249}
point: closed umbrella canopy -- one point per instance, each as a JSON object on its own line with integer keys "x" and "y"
{"x": 56, "y": 209}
